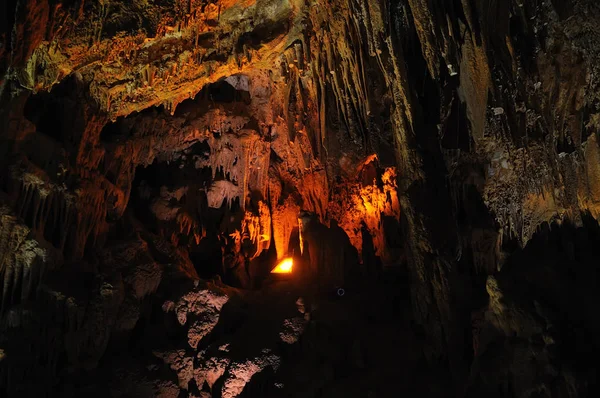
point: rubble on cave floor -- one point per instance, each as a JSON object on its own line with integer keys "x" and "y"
{"x": 263, "y": 343}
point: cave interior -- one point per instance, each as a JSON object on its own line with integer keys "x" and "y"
{"x": 299, "y": 198}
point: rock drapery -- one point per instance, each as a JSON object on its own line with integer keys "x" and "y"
{"x": 145, "y": 144}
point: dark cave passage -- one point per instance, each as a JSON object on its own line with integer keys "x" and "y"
{"x": 54, "y": 113}
{"x": 536, "y": 301}
{"x": 170, "y": 200}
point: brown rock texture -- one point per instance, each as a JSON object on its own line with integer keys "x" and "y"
{"x": 159, "y": 157}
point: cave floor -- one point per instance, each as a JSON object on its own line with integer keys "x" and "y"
{"x": 362, "y": 344}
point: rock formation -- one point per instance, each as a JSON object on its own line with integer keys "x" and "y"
{"x": 432, "y": 167}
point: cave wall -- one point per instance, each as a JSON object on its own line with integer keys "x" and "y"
{"x": 439, "y": 135}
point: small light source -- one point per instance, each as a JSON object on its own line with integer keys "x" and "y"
{"x": 284, "y": 267}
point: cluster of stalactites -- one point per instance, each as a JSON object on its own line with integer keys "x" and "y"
{"x": 23, "y": 261}
{"x": 243, "y": 161}
{"x": 257, "y": 228}
{"x": 67, "y": 220}
{"x": 365, "y": 206}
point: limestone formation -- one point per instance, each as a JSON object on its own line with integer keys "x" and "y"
{"x": 431, "y": 168}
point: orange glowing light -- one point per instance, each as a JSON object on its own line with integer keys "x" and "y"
{"x": 284, "y": 267}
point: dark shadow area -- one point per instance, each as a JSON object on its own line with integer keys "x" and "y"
{"x": 54, "y": 113}
{"x": 223, "y": 92}
{"x": 262, "y": 33}
{"x": 455, "y": 130}
{"x": 546, "y": 324}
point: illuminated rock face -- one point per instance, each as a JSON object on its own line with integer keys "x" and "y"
{"x": 147, "y": 144}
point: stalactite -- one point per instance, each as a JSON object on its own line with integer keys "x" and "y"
{"x": 223, "y": 190}
{"x": 188, "y": 226}
{"x": 90, "y": 223}
{"x": 315, "y": 193}
{"x": 257, "y": 228}
{"x": 368, "y": 204}
{"x": 23, "y": 261}
{"x": 243, "y": 159}
{"x": 285, "y": 220}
